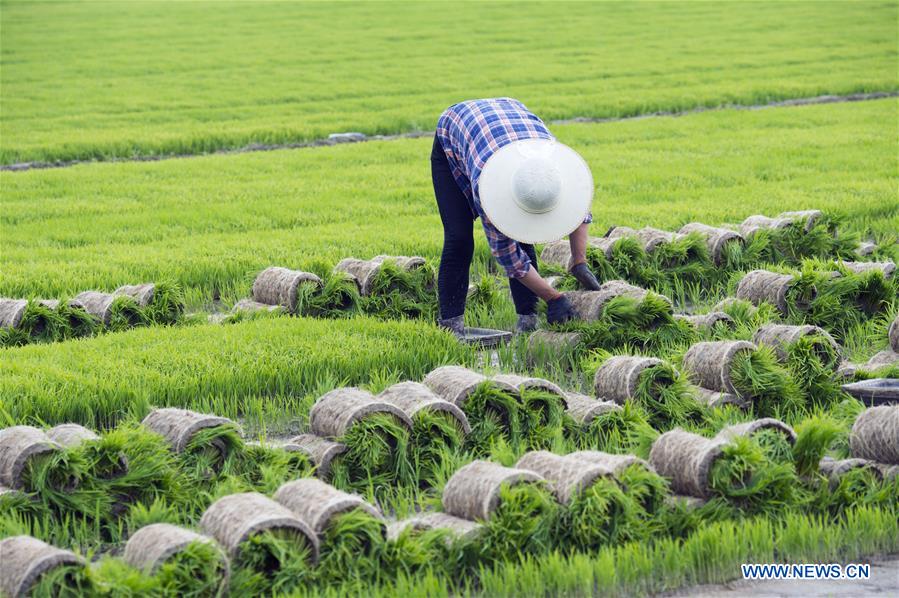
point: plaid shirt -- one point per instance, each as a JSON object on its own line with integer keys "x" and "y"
{"x": 470, "y": 132}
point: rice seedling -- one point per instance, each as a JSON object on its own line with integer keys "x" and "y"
{"x": 271, "y": 562}
{"x": 209, "y": 450}
{"x": 435, "y": 435}
{"x": 161, "y": 302}
{"x": 495, "y": 414}
{"x": 746, "y": 477}
{"x": 521, "y": 524}
{"x": 396, "y": 292}
{"x": 542, "y": 414}
{"x": 351, "y": 544}
{"x": 377, "y": 454}
{"x": 34, "y": 568}
{"x": 611, "y": 429}
{"x": 757, "y": 375}
{"x": 22, "y": 322}
{"x": 851, "y": 482}
{"x": 265, "y": 467}
{"x": 414, "y": 552}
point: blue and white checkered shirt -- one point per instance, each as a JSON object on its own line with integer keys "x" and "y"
{"x": 470, "y": 132}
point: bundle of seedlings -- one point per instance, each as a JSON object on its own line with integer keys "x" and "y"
{"x": 557, "y": 349}
{"x": 493, "y": 408}
{"x": 438, "y": 428}
{"x": 793, "y": 236}
{"x": 594, "y": 509}
{"x": 306, "y": 293}
{"x": 265, "y": 466}
{"x": 851, "y": 482}
{"x": 608, "y": 258}
{"x": 450, "y": 529}
{"x": 113, "y": 312}
{"x": 162, "y": 303}
{"x": 713, "y": 399}
{"x": 735, "y": 469}
{"x": 604, "y": 425}
{"x": 672, "y": 255}
{"x": 655, "y": 385}
{"x": 205, "y": 444}
{"x": 484, "y": 294}
{"x": 515, "y": 506}
{"x": 271, "y": 549}
{"x": 715, "y": 324}
{"x": 868, "y": 290}
{"x": 393, "y": 286}
{"x": 810, "y": 354}
{"x": 321, "y": 452}
{"x": 791, "y": 294}
{"x": 182, "y": 562}
{"x": 639, "y": 480}
{"x": 875, "y": 436}
{"x": 375, "y": 432}
{"x": 80, "y": 323}
{"x": 727, "y": 249}
{"x": 543, "y": 406}
{"x": 23, "y": 322}
{"x": 30, "y": 567}
{"x": 740, "y": 368}
{"x": 351, "y": 531}
{"x": 775, "y": 438}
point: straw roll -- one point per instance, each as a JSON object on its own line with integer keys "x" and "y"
{"x": 894, "y": 334}
{"x": 522, "y": 383}
{"x": 567, "y": 476}
{"x": 808, "y": 218}
{"x": 781, "y": 336}
{"x": 69, "y": 435}
{"x": 142, "y": 293}
{"x": 459, "y": 529}
{"x": 280, "y": 286}
{"x": 25, "y": 559}
{"x": 583, "y": 409}
{"x": 881, "y": 359}
{"x": 17, "y": 445}
{"x": 715, "y": 398}
{"x": 474, "y": 490}
{"x": 752, "y": 224}
{"x": 875, "y": 435}
{"x": 833, "y": 470}
{"x": 413, "y": 397}
{"x": 763, "y": 286}
{"x": 708, "y": 363}
{"x": 614, "y": 463}
{"x": 152, "y": 545}
{"x": 320, "y": 450}
{"x": 335, "y": 412}
{"x": 96, "y": 304}
{"x": 887, "y": 268}
{"x": 178, "y": 426}
{"x": 317, "y": 503}
{"x": 588, "y": 305}
{"x": 455, "y": 383}
{"x": 715, "y": 238}
{"x": 234, "y": 518}
{"x": 686, "y": 459}
{"x": 708, "y": 321}
{"x": 749, "y": 429}
{"x": 11, "y": 312}
{"x": 617, "y": 378}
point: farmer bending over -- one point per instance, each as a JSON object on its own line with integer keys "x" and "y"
{"x": 496, "y": 160}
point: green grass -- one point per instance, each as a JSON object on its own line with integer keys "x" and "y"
{"x": 149, "y": 78}
{"x": 242, "y": 370}
{"x": 207, "y": 223}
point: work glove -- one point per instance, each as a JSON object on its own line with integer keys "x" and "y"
{"x": 585, "y": 277}
{"x": 559, "y": 310}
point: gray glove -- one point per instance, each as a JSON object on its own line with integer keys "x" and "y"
{"x": 585, "y": 277}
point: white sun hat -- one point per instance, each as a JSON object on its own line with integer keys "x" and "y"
{"x": 536, "y": 190}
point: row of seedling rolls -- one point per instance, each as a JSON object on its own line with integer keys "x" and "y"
{"x": 24, "y": 321}
{"x": 309, "y": 532}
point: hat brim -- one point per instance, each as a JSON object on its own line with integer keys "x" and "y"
{"x": 498, "y": 201}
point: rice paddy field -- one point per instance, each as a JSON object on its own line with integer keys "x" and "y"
{"x": 215, "y": 379}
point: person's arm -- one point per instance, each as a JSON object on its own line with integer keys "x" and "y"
{"x": 538, "y": 285}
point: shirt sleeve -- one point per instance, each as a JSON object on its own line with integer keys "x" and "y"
{"x": 507, "y": 251}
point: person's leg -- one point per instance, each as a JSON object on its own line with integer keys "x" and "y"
{"x": 525, "y": 300}
{"x": 458, "y": 237}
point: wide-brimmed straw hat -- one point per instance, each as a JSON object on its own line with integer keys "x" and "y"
{"x": 536, "y": 190}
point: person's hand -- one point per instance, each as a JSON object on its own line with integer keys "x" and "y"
{"x": 559, "y": 310}
{"x": 585, "y": 277}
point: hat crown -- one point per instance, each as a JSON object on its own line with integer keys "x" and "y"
{"x": 536, "y": 185}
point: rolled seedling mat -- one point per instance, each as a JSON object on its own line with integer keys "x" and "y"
{"x": 583, "y": 409}
{"x": 557, "y": 253}
{"x": 781, "y": 336}
{"x": 69, "y": 435}
{"x": 882, "y": 359}
{"x": 18, "y": 444}
{"x": 142, "y": 293}
{"x": 749, "y": 429}
{"x": 652, "y": 238}
{"x": 455, "y": 383}
{"x": 364, "y": 272}
{"x": 807, "y": 218}
{"x": 457, "y": 528}
{"x": 894, "y": 334}
{"x": 716, "y": 398}
{"x": 761, "y": 286}
{"x": 835, "y": 469}
{"x": 178, "y": 426}
{"x": 639, "y": 480}
{"x": 617, "y": 378}
{"x": 875, "y": 435}
{"x": 887, "y": 472}
{"x": 317, "y": 503}
{"x": 688, "y": 503}
{"x": 614, "y": 463}
{"x": 715, "y": 238}
{"x": 233, "y": 519}
{"x": 589, "y": 305}
{"x": 103, "y": 306}
{"x": 280, "y": 286}
{"x": 473, "y": 492}
{"x": 708, "y": 321}
{"x": 887, "y": 268}
{"x": 866, "y": 248}
{"x": 413, "y": 397}
{"x": 548, "y": 345}
{"x": 153, "y": 545}
{"x": 11, "y": 312}
{"x": 523, "y": 383}
{"x": 566, "y": 477}
{"x": 250, "y": 306}
{"x": 729, "y": 303}
{"x": 686, "y": 459}
{"x": 336, "y": 411}
{"x": 752, "y": 224}
{"x": 617, "y": 232}
{"x": 708, "y": 364}
{"x": 320, "y": 450}
{"x": 26, "y": 559}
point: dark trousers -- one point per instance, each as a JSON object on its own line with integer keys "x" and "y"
{"x": 458, "y": 245}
